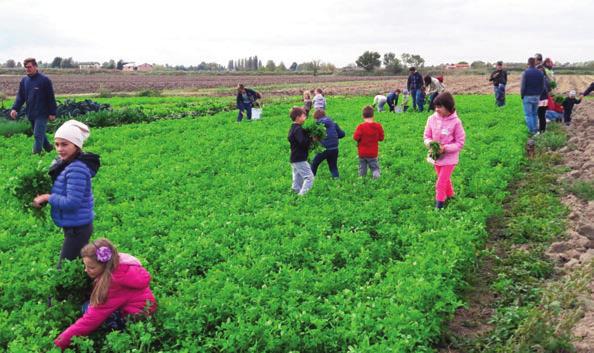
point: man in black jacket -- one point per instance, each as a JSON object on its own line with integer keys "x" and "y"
{"x": 37, "y": 91}
{"x": 499, "y": 79}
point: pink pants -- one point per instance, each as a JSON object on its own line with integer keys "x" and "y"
{"x": 443, "y": 186}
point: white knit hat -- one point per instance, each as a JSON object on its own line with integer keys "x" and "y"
{"x": 73, "y": 131}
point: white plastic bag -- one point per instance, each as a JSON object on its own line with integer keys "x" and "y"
{"x": 256, "y": 113}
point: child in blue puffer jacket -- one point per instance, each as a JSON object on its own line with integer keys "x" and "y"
{"x": 333, "y": 134}
{"x": 71, "y": 195}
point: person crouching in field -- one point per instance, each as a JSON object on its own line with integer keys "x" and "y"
{"x": 367, "y": 135}
{"x": 392, "y": 99}
{"x": 245, "y": 100}
{"x": 445, "y": 128}
{"x": 330, "y": 143}
{"x": 303, "y": 177}
{"x": 120, "y": 291}
{"x": 379, "y": 101}
{"x": 71, "y": 196}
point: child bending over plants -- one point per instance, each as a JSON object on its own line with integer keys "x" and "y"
{"x": 300, "y": 141}
{"x": 120, "y": 291}
{"x": 330, "y": 142}
{"x": 444, "y": 137}
{"x": 71, "y": 195}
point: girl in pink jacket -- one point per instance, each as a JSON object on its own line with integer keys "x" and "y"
{"x": 121, "y": 287}
{"x": 445, "y": 128}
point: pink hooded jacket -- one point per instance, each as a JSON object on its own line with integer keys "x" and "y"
{"x": 448, "y": 131}
{"x": 129, "y": 292}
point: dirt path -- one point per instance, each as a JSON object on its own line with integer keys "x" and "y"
{"x": 578, "y": 249}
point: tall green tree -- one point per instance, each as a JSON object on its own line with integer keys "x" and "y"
{"x": 392, "y": 63}
{"x": 369, "y": 60}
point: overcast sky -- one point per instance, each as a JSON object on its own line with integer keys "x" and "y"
{"x": 188, "y": 32}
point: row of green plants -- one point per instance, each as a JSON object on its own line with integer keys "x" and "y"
{"x": 124, "y": 110}
{"x": 240, "y": 263}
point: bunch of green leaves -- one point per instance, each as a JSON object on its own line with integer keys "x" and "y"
{"x": 316, "y": 132}
{"x": 434, "y": 150}
{"x": 553, "y": 84}
{"x": 558, "y": 99}
{"x": 26, "y": 186}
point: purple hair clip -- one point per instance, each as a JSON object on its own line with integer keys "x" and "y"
{"x": 103, "y": 254}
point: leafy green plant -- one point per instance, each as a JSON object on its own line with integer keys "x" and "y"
{"x": 434, "y": 150}
{"x": 25, "y": 187}
{"x": 316, "y": 132}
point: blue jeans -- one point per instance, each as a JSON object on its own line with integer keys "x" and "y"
{"x": 431, "y": 99}
{"x": 331, "y": 156}
{"x": 248, "y": 109}
{"x": 113, "y": 321}
{"x": 553, "y": 115}
{"x": 499, "y": 94}
{"x": 417, "y": 99}
{"x": 530, "y": 111}
{"x": 39, "y": 125}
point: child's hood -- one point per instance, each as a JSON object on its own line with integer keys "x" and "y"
{"x": 452, "y": 116}
{"x": 130, "y": 273}
{"x": 92, "y": 161}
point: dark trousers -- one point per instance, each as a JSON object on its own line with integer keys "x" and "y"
{"x": 567, "y": 117}
{"x": 431, "y": 99}
{"x": 542, "y": 121}
{"x": 329, "y": 155}
{"x": 499, "y": 94}
{"x": 75, "y": 238}
{"x": 247, "y": 107}
{"x": 39, "y": 125}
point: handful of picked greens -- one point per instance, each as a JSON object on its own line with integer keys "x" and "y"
{"x": 316, "y": 132}
{"x": 434, "y": 151}
{"x": 28, "y": 185}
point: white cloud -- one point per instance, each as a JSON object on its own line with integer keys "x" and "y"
{"x": 184, "y": 32}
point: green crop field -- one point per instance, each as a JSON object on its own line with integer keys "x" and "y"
{"x": 240, "y": 263}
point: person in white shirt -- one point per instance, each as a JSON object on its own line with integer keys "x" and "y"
{"x": 379, "y": 101}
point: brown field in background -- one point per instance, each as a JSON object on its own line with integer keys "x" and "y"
{"x": 271, "y": 85}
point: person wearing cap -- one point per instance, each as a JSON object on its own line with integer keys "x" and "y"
{"x": 71, "y": 196}
{"x": 568, "y": 104}
{"x": 499, "y": 79}
{"x": 37, "y": 91}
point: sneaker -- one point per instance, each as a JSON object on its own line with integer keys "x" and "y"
{"x": 439, "y": 204}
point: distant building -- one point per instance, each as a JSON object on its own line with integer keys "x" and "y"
{"x": 129, "y": 67}
{"x": 457, "y": 66}
{"x": 89, "y": 66}
{"x": 145, "y": 67}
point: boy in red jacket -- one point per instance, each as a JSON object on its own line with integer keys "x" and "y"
{"x": 367, "y": 135}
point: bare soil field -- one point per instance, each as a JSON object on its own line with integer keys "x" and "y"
{"x": 271, "y": 85}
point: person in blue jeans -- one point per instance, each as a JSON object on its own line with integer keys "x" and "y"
{"x": 414, "y": 85}
{"x": 246, "y": 98}
{"x": 532, "y": 85}
{"x": 330, "y": 154}
{"x": 499, "y": 79}
{"x": 37, "y": 91}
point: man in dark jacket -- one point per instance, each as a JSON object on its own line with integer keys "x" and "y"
{"x": 532, "y": 86}
{"x": 37, "y": 91}
{"x": 414, "y": 84}
{"x": 246, "y": 98}
{"x": 499, "y": 79}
